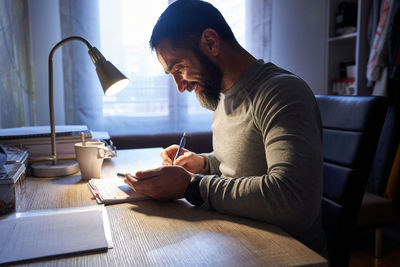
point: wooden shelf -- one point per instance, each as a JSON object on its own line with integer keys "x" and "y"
{"x": 348, "y": 36}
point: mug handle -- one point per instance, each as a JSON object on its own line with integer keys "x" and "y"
{"x": 102, "y": 152}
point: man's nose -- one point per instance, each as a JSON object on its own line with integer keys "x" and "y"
{"x": 180, "y": 84}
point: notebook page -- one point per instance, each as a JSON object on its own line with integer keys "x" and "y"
{"x": 113, "y": 190}
{"x": 50, "y": 234}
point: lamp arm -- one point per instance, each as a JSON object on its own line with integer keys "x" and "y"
{"x": 51, "y": 95}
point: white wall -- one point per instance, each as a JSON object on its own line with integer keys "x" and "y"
{"x": 299, "y": 39}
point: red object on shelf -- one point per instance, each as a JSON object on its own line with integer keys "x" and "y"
{"x": 343, "y": 86}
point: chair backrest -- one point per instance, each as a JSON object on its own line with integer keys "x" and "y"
{"x": 351, "y": 129}
{"x": 385, "y": 152}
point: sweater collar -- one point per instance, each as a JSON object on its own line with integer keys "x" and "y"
{"x": 245, "y": 78}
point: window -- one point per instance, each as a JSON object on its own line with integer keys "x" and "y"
{"x": 151, "y": 102}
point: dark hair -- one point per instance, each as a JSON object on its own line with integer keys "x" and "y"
{"x": 183, "y": 22}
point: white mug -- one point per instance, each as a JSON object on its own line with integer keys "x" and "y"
{"x": 90, "y": 158}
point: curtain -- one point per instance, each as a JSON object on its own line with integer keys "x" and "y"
{"x": 150, "y": 104}
{"x": 16, "y": 90}
{"x": 82, "y": 90}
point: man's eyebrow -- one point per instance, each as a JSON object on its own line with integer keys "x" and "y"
{"x": 171, "y": 66}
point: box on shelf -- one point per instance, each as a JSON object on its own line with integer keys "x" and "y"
{"x": 343, "y": 86}
{"x": 11, "y": 186}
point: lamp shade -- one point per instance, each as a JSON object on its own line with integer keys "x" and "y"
{"x": 111, "y": 79}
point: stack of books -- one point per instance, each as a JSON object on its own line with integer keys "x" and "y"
{"x": 37, "y": 139}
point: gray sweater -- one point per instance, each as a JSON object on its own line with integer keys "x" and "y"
{"x": 267, "y": 154}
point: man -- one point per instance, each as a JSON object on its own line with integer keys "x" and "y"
{"x": 267, "y": 161}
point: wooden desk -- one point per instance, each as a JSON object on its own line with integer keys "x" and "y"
{"x": 155, "y": 233}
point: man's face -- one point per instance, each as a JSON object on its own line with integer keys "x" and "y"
{"x": 192, "y": 70}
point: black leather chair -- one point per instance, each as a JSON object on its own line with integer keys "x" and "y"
{"x": 351, "y": 129}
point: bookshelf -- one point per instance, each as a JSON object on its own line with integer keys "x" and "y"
{"x": 351, "y": 47}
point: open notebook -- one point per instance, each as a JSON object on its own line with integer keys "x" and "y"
{"x": 43, "y": 233}
{"x": 112, "y": 191}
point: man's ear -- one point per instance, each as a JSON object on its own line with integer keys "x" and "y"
{"x": 210, "y": 42}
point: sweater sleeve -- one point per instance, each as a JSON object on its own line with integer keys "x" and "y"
{"x": 289, "y": 194}
{"x": 213, "y": 163}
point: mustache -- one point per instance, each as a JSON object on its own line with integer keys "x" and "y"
{"x": 190, "y": 87}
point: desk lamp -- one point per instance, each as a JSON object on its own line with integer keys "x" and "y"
{"x": 112, "y": 81}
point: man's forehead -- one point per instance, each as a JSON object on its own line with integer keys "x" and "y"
{"x": 168, "y": 55}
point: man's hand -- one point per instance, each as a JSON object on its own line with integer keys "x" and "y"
{"x": 189, "y": 160}
{"x": 164, "y": 183}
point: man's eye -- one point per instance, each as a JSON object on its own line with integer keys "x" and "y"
{"x": 178, "y": 69}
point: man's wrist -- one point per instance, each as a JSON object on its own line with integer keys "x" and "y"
{"x": 192, "y": 192}
{"x": 205, "y": 169}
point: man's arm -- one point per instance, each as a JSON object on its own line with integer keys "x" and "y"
{"x": 289, "y": 194}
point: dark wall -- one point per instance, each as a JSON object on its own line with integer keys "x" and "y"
{"x": 199, "y": 142}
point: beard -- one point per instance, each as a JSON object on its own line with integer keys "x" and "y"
{"x": 210, "y": 82}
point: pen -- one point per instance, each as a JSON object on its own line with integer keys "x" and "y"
{"x": 83, "y": 139}
{"x": 123, "y": 175}
{"x": 181, "y": 145}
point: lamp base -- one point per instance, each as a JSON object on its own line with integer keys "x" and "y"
{"x": 47, "y": 169}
